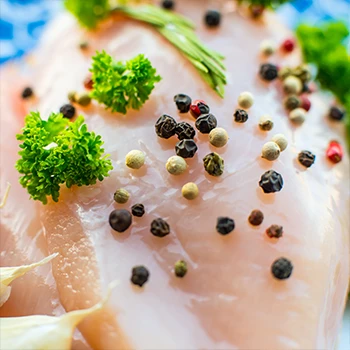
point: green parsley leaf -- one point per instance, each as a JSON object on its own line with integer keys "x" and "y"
{"x": 324, "y": 47}
{"x": 265, "y": 3}
{"x": 88, "y": 12}
{"x": 120, "y": 85}
{"x": 57, "y": 151}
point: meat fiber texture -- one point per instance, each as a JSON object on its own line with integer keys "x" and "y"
{"x": 229, "y": 298}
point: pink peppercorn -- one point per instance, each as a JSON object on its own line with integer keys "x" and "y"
{"x": 199, "y": 107}
{"x": 334, "y": 152}
{"x": 288, "y": 45}
{"x": 305, "y": 102}
{"x": 88, "y": 83}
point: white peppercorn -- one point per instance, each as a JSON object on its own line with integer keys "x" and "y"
{"x": 270, "y": 151}
{"x": 176, "y": 165}
{"x": 292, "y": 85}
{"x": 297, "y": 116}
{"x": 265, "y": 123}
{"x": 281, "y": 141}
{"x": 190, "y": 191}
{"x": 245, "y": 100}
{"x": 218, "y": 137}
{"x": 135, "y": 159}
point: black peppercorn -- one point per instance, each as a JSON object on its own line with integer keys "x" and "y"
{"x": 275, "y": 231}
{"x": 186, "y": 148}
{"x": 185, "y": 131}
{"x": 336, "y": 113}
{"x": 168, "y": 4}
{"x": 206, "y": 123}
{"x": 120, "y": 220}
{"x": 282, "y": 268}
{"x": 241, "y": 116}
{"x": 212, "y": 18}
{"x": 256, "y": 217}
{"x": 139, "y": 275}
{"x": 183, "y": 102}
{"x": 268, "y": 71}
{"x": 160, "y": 228}
{"x": 213, "y": 164}
{"x": 306, "y": 158}
{"x": 271, "y": 182}
{"x": 27, "y": 92}
{"x": 68, "y": 111}
{"x": 138, "y": 210}
{"x": 225, "y": 225}
{"x": 180, "y": 268}
{"x": 165, "y": 126}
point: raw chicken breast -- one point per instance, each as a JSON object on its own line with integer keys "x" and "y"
{"x": 229, "y": 298}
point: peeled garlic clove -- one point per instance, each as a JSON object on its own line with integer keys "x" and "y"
{"x": 44, "y": 332}
{"x": 8, "y": 274}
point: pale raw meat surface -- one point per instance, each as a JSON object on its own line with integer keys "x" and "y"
{"x": 229, "y": 298}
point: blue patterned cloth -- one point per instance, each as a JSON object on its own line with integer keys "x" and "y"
{"x": 22, "y": 21}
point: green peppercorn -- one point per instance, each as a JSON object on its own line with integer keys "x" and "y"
{"x": 83, "y": 99}
{"x": 180, "y": 268}
{"x": 83, "y": 45}
{"x": 291, "y": 102}
{"x": 72, "y": 96}
{"x": 121, "y": 196}
{"x": 213, "y": 164}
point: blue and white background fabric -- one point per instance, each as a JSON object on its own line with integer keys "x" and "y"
{"x": 22, "y": 21}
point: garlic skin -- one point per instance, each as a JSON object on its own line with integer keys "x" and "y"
{"x": 9, "y": 274}
{"x": 44, "y": 332}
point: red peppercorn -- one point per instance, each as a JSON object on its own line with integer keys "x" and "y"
{"x": 199, "y": 107}
{"x": 305, "y": 102}
{"x": 334, "y": 152}
{"x": 88, "y": 83}
{"x": 288, "y": 45}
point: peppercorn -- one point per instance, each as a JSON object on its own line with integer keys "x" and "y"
{"x": 84, "y": 44}
{"x": 213, "y": 164}
{"x": 190, "y": 191}
{"x": 245, "y": 100}
{"x": 267, "y": 47}
{"x": 180, "y": 268}
{"x": 270, "y": 151}
{"x": 72, "y": 96}
{"x": 199, "y": 107}
{"x": 305, "y": 103}
{"x": 165, "y": 126}
{"x": 334, "y": 152}
{"x": 265, "y": 123}
{"x": 135, "y": 159}
{"x": 121, "y": 196}
{"x": 88, "y": 82}
{"x": 256, "y": 11}
{"x": 285, "y": 72}
{"x": 271, "y": 181}
{"x": 160, "y": 228}
{"x": 139, "y": 275}
{"x": 288, "y": 45}
{"x": 292, "y": 102}
{"x": 218, "y": 137}
{"x": 275, "y": 231}
{"x": 83, "y": 99}
{"x": 268, "y": 71}
{"x": 212, "y": 18}
{"x": 306, "y": 158}
{"x": 186, "y": 148}
{"x": 292, "y": 85}
{"x": 206, "y": 123}
{"x": 256, "y": 217}
{"x": 336, "y": 113}
{"x": 302, "y": 72}
{"x": 176, "y": 165}
{"x": 281, "y": 141}
{"x": 120, "y": 220}
{"x": 240, "y": 115}
{"x": 68, "y": 111}
{"x": 184, "y": 130}
{"x": 183, "y": 102}
{"x": 297, "y": 116}
{"x": 27, "y": 92}
{"x": 282, "y": 268}
{"x": 168, "y": 4}
{"x": 138, "y": 210}
{"x": 225, "y": 225}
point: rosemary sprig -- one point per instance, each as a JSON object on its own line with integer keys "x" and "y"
{"x": 180, "y": 32}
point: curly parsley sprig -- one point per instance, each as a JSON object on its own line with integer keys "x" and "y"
{"x": 120, "y": 85}
{"x": 324, "y": 47}
{"x": 57, "y": 151}
{"x": 175, "y": 28}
